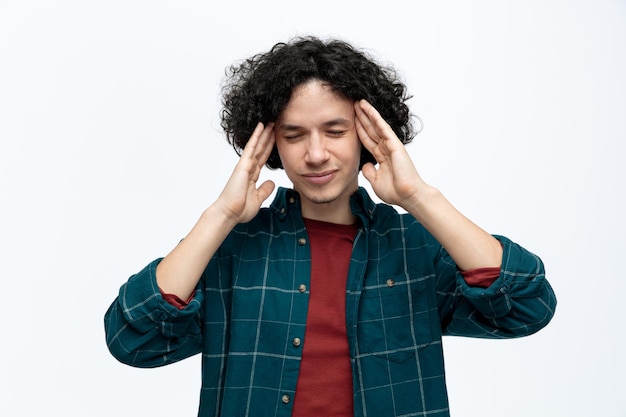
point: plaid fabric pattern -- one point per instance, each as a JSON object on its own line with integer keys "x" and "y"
{"x": 248, "y": 316}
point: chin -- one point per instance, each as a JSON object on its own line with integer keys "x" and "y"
{"x": 319, "y": 196}
{"x": 324, "y": 200}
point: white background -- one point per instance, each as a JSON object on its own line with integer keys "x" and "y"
{"x": 110, "y": 147}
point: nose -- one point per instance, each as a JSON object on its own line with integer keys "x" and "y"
{"x": 317, "y": 151}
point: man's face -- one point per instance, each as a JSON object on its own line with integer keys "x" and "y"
{"x": 319, "y": 149}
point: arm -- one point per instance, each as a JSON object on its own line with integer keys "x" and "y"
{"x": 519, "y": 302}
{"x": 179, "y": 272}
{"x": 142, "y": 329}
{"x": 396, "y": 181}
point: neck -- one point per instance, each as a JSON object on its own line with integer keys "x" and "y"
{"x": 337, "y": 212}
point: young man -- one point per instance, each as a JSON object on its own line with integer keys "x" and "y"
{"x": 324, "y": 303}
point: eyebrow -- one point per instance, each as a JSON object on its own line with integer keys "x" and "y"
{"x": 330, "y": 123}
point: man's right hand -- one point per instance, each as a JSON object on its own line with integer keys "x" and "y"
{"x": 240, "y": 200}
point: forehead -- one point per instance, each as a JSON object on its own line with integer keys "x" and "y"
{"x": 315, "y": 101}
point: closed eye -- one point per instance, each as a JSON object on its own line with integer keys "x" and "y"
{"x": 290, "y": 137}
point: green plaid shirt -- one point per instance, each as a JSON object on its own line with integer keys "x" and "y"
{"x": 403, "y": 293}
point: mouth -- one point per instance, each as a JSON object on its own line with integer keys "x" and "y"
{"x": 319, "y": 178}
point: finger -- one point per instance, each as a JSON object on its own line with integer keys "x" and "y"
{"x": 375, "y": 146}
{"x": 367, "y": 129}
{"x": 369, "y": 172}
{"x": 366, "y": 120}
{"x": 266, "y": 144}
{"x": 250, "y": 149}
{"x": 365, "y": 138}
{"x": 374, "y": 123}
{"x": 257, "y": 150}
{"x": 264, "y": 190}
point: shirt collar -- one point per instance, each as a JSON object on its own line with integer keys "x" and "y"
{"x": 287, "y": 200}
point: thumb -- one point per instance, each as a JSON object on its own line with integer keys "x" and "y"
{"x": 265, "y": 190}
{"x": 369, "y": 172}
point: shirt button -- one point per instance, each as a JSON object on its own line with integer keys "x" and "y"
{"x": 302, "y": 288}
{"x": 296, "y": 341}
{"x": 282, "y": 210}
{"x": 302, "y": 241}
{"x": 286, "y": 398}
{"x": 390, "y": 282}
{"x": 292, "y": 200}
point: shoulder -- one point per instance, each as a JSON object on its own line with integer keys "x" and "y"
{"x": 397, "y": 227}
{"x": 386, "y": 216}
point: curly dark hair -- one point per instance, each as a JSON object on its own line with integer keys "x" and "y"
{"x": 258, "y": 89}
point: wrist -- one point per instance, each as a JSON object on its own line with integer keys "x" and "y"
{"x": 216, "y": 215}
{"x": 423, "y": 199}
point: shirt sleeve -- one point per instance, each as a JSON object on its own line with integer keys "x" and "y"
{"x": 175, "y": 300}
{"x": 481, "y": 277}
{"x": 519, "y": 302}
{"x": 144, "y": 330}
